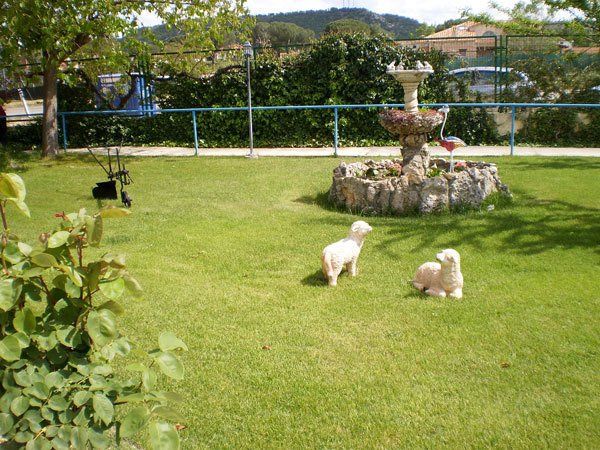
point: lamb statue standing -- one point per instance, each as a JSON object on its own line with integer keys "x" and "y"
{"x": 441, "y": 280}
{"x": 344, "y": 253}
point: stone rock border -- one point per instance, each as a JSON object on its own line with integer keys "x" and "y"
{"x": 365, "y": 188}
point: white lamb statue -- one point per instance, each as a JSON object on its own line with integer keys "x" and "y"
{"x": 441, "y": 280}
{"x": 344, "y": 253}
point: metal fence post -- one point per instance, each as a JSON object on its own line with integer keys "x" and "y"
{"x": 335, "y": 131}
{"x": 513, "y": 112}
{"x": 64, "y": 130}
{"x": 195, "y": 133}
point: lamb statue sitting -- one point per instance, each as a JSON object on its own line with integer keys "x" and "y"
{"x": 344, "y": 253}
{"x": 441, "y": 280}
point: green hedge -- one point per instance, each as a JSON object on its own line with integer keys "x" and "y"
{"x": 337, "y": 69}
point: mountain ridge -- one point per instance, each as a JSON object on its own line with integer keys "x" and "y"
{"x": 400, "y": 27}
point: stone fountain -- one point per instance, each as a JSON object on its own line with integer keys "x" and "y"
{"x": 415, "y": 183}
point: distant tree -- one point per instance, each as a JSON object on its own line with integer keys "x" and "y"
{"x": 422, "y": 31}
{"x": 52, "y": 32}
{"x": 352, "y": 26}
{"x": 534, "y": 16}
{"x": 281, "y": 33}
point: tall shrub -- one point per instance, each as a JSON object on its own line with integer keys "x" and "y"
{"x": 60, "y": 345}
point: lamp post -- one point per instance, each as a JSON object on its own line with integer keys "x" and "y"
{"x": 248, "y": 56}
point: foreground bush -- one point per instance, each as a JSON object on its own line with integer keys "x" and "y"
{"x": 60, "y": 345}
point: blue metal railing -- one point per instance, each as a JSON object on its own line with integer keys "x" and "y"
{"x": 194, "y": 111}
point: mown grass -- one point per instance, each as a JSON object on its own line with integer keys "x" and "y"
{"x": 228, "y": 253}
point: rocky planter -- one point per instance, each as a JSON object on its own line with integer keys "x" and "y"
{"x": 375, "y": 188}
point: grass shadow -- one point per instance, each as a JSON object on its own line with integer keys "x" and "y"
{"x": 315, "y": 279}
{"x": 559, "y": 164}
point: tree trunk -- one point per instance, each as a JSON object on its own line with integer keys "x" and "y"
{"x": 50, "y": 117}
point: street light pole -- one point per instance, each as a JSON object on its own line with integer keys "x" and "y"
{"x": 248, "y": 56}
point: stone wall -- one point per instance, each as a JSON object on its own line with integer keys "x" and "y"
{"x": 368, "y": 187}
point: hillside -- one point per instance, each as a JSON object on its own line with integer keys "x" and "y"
{"x": 399, "y": 26}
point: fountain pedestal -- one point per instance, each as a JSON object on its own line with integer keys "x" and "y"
{"x": 411, "y": 125}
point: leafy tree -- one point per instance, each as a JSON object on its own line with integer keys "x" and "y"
{"x": 281, "y": 33}
{"x": 423, "y": 30}
{"x": 50, "y": 32}
{"x": 584, "y": 12}
{"x": 535, "y": 16}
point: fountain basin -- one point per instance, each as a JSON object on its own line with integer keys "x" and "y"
{"x": 403, "y": 123}
{"x": 376, "y": 188}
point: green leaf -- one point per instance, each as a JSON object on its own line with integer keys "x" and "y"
{"x": 22, "y": 378}
{"x": 69, "y": 336}
{"x": 172, "y": 396}
{"x": 58, "y": 403}
{"x": 163, "y": 436}
{"x": 168, "y": 413}
{"x": 79, "y": 438}
{"x": 12, "y": 253}
{"x": 55, "y": 380}
{"x": 133, "y": 286}
{"x": 6, "y": 423}
{"x": 39, "y": 390}
{"x": 21, "y": 206}
{"x": 149, "y": 379}
{"x": 35, "y": 419}
{"x": 24, "y": 321}
{"x": 10, "y": 349}
{"x": 81, "y": 398}
{"x": 23, "y": 436}
{"x": 170, "y": 365}
{"x": 72, "y": 273}
{"x": 168, "y": 341}
{"x": 8, "y": 396}
{"x": 25, "y": 248}
{"x": 110, "y": 212}
{"x": 10, "y": 290}
{"x": 94, "y": 230}
{"x": 19, "y": 405}
{"x": 39, "y": 443}
{"x": 59, "y": 443}
{"x": 12, "y": 186}
{"x": 102, "y": 327}
{"x": 134, "y": 421}
{"x": 57, "y": 239}
{"x": 103, "y": 408}
{"x": 23, "y": 339}
{"x": 112, "y": 306}
{"x": 98, "y": 439}
{"x": 43, "y": 260}
{"x": 113, "y": 289}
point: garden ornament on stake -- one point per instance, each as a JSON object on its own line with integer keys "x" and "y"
{"x": 108, "y": 189}
{"x": 449, "y": 142}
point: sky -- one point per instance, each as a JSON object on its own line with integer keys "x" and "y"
{"x": 429, "y": 11}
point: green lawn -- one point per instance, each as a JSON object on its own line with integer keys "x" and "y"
{"x": 228, "y": 252}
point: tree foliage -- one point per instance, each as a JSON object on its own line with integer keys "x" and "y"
{"x": 60, "y": 346}
{"x": 349, "y": 26}
{"x": 281, "y": 34}
{"x": 48, "y": 33}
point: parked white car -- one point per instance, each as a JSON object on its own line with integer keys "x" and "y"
{"x": 482, "y": 79}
